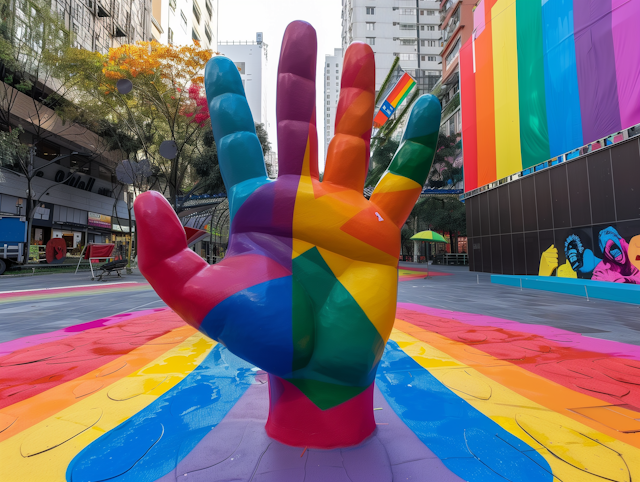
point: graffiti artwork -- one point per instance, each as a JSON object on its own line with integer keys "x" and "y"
{"x": 614, "y": 260}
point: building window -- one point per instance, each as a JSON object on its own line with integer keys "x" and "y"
{"x": 407, "y": 11}
{"x": 431, "y": 28}
{"x": 428, "y": 43}
{"x": 328, "y": 65}
{"x": 209, "y": 8}
{"x": 337, "y": 71}
{"x": 371, "y": 10}
{"x": 172, "y": 4}
{"x": 432, "y": 58}
{"x": 196, "y": 12}
{"x": 453, "y": 53}
{"x": 184, "y": 18}
{"x": 207, "y": 31}
{"x": 195, "y": 35}
{"x": 408, "y": 41}
{"x": 170, "y": 36}
{"x": 371, "y": 26}
{"x": 431, "y": 12}
{"x": 407, "y": 26}
{"x": 408, "y": 56}
{"x": 328, "y": 77}
{"x": 328, "y": 103}
{"x": 337, "y": 65}
{"x": 371, "y": 40}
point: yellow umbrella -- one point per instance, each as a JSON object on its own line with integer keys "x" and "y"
{"x": 430, "y": 237}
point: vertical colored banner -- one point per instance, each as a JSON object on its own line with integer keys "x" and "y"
{"x": 595, "y": 59}
{"x": 485, "y": 115}
{"x": 506, "y": 101}
{"x": 561, "y": 77}
{"x": 468, "y": 112}
{"x": 534, "y": 132}
{"x": 626, "y": 45}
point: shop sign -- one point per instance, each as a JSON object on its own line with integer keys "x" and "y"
{"x": 99, "y": 220}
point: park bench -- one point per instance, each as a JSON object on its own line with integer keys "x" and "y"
{"x": 110, "y": 267}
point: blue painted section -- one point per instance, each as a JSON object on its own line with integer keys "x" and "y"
{"x": 470, "y": 444}
{"x": 239, "y": 151}
{"x": 625, "y": 293}
{"x": 387, "y": 108}
{"x": 13, "y": 230}
{"x": 256, "y": 325}
{"x": 150, "y": 444}
{"x": 561, "y": 77}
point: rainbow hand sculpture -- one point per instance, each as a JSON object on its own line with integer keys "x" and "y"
{"x": 307, "y": 290}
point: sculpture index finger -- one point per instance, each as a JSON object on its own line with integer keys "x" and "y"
{"x": 400, "y": 187}
{"x": 239, "y": 151}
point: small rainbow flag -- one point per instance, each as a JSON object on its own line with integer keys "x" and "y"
{"x": 394, "y": 99}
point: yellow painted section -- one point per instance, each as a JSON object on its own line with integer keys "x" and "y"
{"x": 505, "y": 75}
{"x": 566, "y": 271}
{"x": 574, "y": 451}
{"x": 300, "y": 247}
{"x": 391, "y": 182}
{"x": 133, "y": 393}
{"x": 548, "y": 261}
{"x": 365, "y": 282}
{"x": 317, "y": 221}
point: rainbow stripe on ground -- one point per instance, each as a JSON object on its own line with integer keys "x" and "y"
{"x": 143, "y": 397}
{"x": 56, "y": 293}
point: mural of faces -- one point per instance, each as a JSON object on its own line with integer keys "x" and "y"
{"x": 616, "y": 265}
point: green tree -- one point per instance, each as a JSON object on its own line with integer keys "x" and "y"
{"x": 440, "y": 213}
{"x": 166, "y": 103}
{"x": 446, "y": 162}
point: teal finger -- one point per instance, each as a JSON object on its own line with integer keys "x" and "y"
{"x": 419, "y": 142}
{"x": 239, "y": 150}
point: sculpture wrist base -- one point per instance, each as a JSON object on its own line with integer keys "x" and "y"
{"x": 296, "y": 420}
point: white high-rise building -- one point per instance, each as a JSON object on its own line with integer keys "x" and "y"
{"x": 180, "y": 22}
{"x": 251, "y": 60}
{"x": 332, "y": 76}
{"x": 408, "y": 29}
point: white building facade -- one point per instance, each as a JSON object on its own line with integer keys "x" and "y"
{"x": 180, "y": 22}
{"x": 408, "y": 29}
{"x": 251, "y": 60}
{"x": 332, "y": 76}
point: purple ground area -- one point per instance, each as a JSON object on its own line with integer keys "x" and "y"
{"x": 238, "y": 449}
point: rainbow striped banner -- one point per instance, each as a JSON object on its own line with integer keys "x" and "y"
{"x": 394, "y": 99}
{"x": 539, "y": 79}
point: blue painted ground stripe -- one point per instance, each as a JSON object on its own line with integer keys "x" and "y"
{"x": 150, "y": 444}
{"x": 470, "y": 444}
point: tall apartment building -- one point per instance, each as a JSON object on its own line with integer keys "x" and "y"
{"x": 408, "y": 29}
{"x": 101, "y": 24}
{"x": 180, "y": 22}
{"x": 251, "y": 59}
{"x": 332, "y": 74}
{"x": 456, "y": 17}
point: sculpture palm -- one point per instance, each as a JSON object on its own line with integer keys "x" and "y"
{"x": 307, "y": 289}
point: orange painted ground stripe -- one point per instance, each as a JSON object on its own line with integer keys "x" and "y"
{"x": 534, "y": 387}
{"x": 31, "y": 411}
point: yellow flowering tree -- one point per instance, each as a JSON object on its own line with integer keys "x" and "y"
{"x": 166, "y": 102}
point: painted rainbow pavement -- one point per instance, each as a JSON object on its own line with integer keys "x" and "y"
{"x": 142, "y": 397}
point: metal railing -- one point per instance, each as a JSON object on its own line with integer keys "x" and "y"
{"x": 12, "y": 251}
{"x": 610, "y": 140}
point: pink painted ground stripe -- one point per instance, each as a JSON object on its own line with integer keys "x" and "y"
{"x": 606, "y": 347}
{"x": 29, "y": 341}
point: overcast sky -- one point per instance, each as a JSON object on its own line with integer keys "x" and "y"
{"x": 241, "y": 19}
